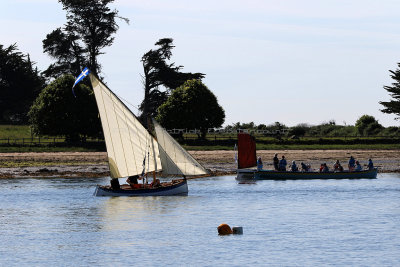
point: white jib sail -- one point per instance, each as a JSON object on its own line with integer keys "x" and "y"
{"x": 127, "y": 141}
{"x": 174, "y": 158}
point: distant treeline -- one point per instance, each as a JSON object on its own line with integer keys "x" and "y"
{"x": 366, "y": 125}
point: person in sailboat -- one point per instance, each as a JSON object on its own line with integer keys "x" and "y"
{"x": 114, "y": 182}
{"x": 156, "y": 183}
{"x": 133, "y": 180}
{"x": 259, "y": 164}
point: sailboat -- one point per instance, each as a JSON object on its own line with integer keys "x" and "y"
{"x": 247, "y": 159}
{"x": 132, "y": 150}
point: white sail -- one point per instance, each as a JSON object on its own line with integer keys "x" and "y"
{"x": 175, "y": 159}
{"x": 127, "y": 141}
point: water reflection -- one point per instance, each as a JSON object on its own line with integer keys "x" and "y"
{"x": 246, "y": 182}
{"x": 121, "y": 213}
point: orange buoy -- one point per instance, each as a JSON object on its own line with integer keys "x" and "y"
{"x": 224, "y": 229}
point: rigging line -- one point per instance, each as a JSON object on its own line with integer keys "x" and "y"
{"x": 127, "y": 102}
{"x": 148, "y": 158}
{"x": 123, "y": 98}
{"x": 144, "y": 162}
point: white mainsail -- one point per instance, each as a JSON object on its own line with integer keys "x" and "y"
{"x": 175, "y": 159}
{"x": 127, "y": 141}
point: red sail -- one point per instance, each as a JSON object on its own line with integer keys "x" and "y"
{"x": 246, "y": 151}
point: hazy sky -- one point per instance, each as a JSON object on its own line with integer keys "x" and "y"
{"x": 290, "y": 61}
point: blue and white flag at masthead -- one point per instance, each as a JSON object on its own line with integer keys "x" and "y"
{"x": 84, "y": 73}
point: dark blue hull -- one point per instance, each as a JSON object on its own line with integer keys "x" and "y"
{"x": 277, "y": 175}
{"x": 170, "y": 189}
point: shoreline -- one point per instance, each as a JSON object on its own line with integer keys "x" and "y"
{"x": 219, "y": 162}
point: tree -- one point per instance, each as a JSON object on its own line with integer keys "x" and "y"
{"x": 368, "y": 125}
{"x": 20, "y": 83}
{"x": 299, "y": 130}
{"x": 191, "y": 106}
{"x": 57, "y": 112}
{"x": 158, "y": 73}
{"x": 89, "y": 29}
{"x": 393, "y": 106}
{"x": 64, "y": 47}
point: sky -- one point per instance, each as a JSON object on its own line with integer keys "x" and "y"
{"x": 267, "y": 61}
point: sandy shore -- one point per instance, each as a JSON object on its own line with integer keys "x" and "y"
{"x": 94, "y": 164}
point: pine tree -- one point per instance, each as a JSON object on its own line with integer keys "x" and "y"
{"x": 393, "y": 106}
{"x": 160, "y": 74}
{"x": 89, "y": 29}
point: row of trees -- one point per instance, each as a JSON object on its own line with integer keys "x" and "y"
{"x": 366, "y": 125}
{"x": 20, "y": 84}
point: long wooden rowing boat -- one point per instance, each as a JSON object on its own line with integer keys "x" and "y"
{"x": 279, "y": 175}
{"x": 247, "y": 159}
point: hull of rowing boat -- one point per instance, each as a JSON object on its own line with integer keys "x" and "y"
{"x": 277, "y": 175}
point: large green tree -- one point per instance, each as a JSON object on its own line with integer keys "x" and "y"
{"x": 368, "y": 125}
{"x": 89, "y": 29}
{"x": 57, "y": 112}
{"x": 191, "y": 106}
{"x": 393, "y": 106}
{"x": 160, "y": 77}
{"x": 20, "y": 83}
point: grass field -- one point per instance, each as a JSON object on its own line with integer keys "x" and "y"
{"x": 15, "y": 131}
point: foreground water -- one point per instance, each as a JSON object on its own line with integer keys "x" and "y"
{"x": 57, "y": 222}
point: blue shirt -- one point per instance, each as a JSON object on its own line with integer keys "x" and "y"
{"x": 370, "y": 165}
{"x": 358, "y": 167}
{"x": 259, "y": 166}
{"x": 352, "y": 161}
{"x": 282, "y": 163}
{"x": 294, "y": 167}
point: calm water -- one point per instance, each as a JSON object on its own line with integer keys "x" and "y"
{"x": 57, "y": 222}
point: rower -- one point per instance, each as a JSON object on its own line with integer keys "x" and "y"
{"x": 259, "y": 164}
{"x": 370, "y": 164}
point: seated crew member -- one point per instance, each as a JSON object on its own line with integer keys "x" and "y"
{"x": 156, "y": 183}
{"x": 324, "y": 168}
{"x": 133, "y": 180}
{"x": 259, "y": 164}
{"x": 337, "y": 167}
{"x": 282, "y": 164}
{"x": 321, "y": 167}
{"x": 358, "y": 166}
{"x": 293, "y": 167}
{"x": 276, "y": 162}
{"x": 352, "y": 161}
{"x": 304, "y": 167}
{"x": 370, "y": 164}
